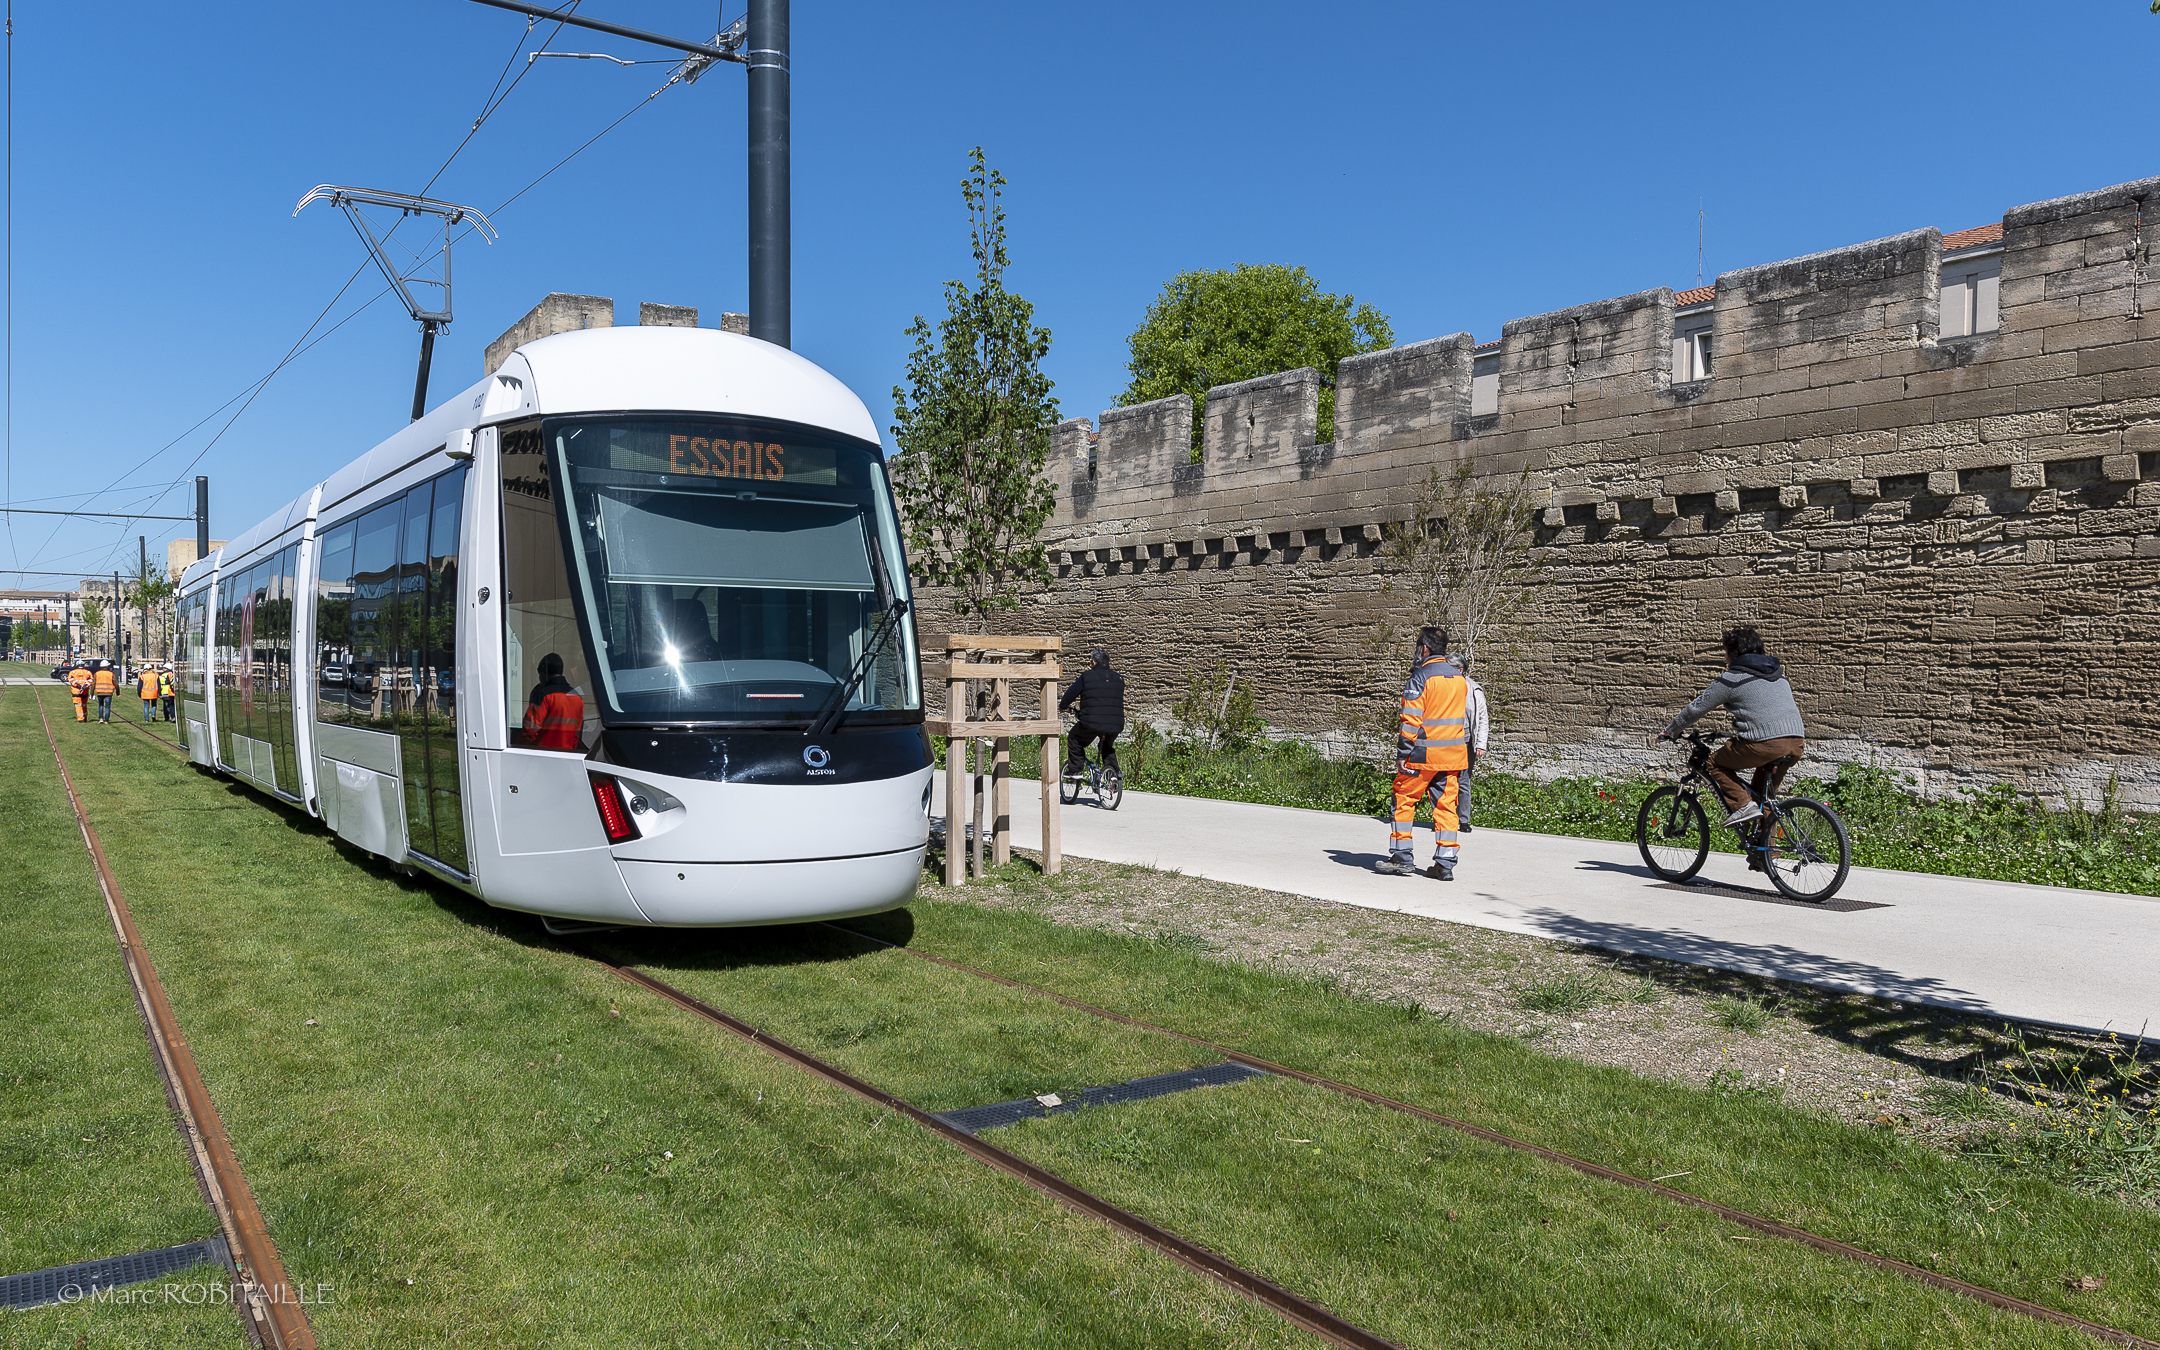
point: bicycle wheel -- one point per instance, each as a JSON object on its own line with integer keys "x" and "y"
{"x": 1110, "y": 789}
{"x": 1069, "y": 789}
{"x": 1808, "y": 852}
{"x": 1672, "y": 833}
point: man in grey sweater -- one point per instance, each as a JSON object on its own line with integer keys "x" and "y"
{"x": 1768, "y": 735}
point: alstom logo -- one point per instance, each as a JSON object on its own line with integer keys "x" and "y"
{"x": 817, "y": 757}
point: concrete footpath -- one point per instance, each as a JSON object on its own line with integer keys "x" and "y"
{"x": 2085, "y": 959}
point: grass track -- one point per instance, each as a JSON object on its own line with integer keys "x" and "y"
{"x": 471, "y": 1146}
{"x": 91, "y": 1160}
{"x": 1409, "y": 1229}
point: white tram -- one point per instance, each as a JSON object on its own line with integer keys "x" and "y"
{"x": 619, "y": 635}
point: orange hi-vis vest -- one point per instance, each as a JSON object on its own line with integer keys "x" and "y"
{"x": 107, "y": 683}
{"x": 555, "y": 722}
{"x": 79, "y": 680}
{"x": 1435, "y": 731}
{"x": 146, "y": 684}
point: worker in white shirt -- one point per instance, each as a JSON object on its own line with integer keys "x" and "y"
{"x": 1480, "y": 726}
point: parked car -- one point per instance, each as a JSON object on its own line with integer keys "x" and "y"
{"x": 333, "y": 674}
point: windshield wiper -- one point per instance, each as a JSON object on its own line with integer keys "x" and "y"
{"x": 837, "y": 700}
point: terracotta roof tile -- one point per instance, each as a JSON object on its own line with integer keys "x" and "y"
{"x": 1487, "y": 346}
{"x": 1973, "y": 238}
{"x": 1695, "y": 296}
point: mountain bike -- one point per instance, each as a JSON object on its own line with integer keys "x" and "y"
{"x": 1800, "y": 843}
{"x": 1104, "y": 779}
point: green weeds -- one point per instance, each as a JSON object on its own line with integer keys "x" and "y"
{"x": 1575, "y": 991}
{"x": 1744, "y": 1015}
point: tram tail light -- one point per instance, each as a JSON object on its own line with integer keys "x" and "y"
{"x": 613, "y": 818}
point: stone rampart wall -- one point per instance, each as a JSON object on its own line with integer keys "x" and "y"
{"x": 1954, "y": 543}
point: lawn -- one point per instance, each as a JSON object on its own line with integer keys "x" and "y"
{"x": 479, "y": 1138}
{"x": 91, "y": 1160}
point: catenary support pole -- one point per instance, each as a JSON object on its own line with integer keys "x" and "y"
{"x": 771, "y": 316}
{"x": 202, "y": 517}
{"x": 142, "y": 610}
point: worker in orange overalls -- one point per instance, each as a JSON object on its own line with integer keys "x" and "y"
{"x": 554, "y": 715}
{"x": 146, "y": 688}
{"x": 1431, "y": 753}
{"x": 107, "y": 683}
{"x": 79, "y": 682}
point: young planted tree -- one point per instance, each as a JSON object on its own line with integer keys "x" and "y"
{"x": 152, "y": 592}
{"x": 1219, "y": 327}
{"x": 973, "y": 433}
{"x": 973, "y": 428}
{"x": 1465, "y": 559}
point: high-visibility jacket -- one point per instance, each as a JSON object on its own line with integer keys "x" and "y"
{"x": 556, "y": 721}
{"x": 80, "y": 681}
{"x": 165, "y": 683}
{"x": 108, "y": 684}
{"x": 1435, "y": 730}
{"x": 146, "y": 684}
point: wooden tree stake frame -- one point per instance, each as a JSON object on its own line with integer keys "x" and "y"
{"x": 1000, "y": 660}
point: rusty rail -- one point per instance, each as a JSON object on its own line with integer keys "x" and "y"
{"x": 1299, "y": 1312}
{"x": 2039, "y": 1312}
{"x": 265, "y": 1296}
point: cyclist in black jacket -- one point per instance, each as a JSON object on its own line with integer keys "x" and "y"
{"x": 1100, "y": 692}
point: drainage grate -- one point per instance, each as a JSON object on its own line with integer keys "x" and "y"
{"x": 68, "y": 1284}
{"x": 976, "y": 1119}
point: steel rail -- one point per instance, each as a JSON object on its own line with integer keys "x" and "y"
{"x": 2039, "y": 1312}
{"x": 266, "y": 1297}
{"x": 1299, "y": 1312}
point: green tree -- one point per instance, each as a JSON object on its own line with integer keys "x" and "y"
{"x": 1219, "y": 327}
{"x": 93, "y": 622}
{"x": 152, "y": 591}
{"x": 973, "y": 428}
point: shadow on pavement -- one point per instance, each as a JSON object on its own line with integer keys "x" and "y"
{"x": 1776, "y": 961}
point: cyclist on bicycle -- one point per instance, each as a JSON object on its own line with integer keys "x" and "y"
{"x": 1100, "y": 692}
{"x": 1768, "y": 735}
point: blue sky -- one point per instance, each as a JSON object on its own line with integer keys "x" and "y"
{"x": 1456, "y": 165}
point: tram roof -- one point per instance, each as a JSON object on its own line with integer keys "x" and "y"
{"x": 597, "y": 370}
{"x": 686, "y": 370}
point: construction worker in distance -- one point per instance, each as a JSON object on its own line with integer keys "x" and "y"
{"x": 555, "y": 714}
{"x": 166, "y": 691}
{"x": 1432, "y": 748}
{"x": 146, "y": 686}
{"x": 80, "y": 681}
{"x": 107, "y": 683}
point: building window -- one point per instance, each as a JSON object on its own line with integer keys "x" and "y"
{"x": 1971, "y": 292}
{"x": 1691, "y": 348}
{"x": 1485, "y": 385}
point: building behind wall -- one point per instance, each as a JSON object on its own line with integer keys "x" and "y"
{"x": 1924, "y": 466}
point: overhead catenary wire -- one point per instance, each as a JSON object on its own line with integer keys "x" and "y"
{"x": 497, "y": 96}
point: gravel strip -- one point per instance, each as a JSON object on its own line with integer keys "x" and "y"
{"x": 1869, "y": 1061}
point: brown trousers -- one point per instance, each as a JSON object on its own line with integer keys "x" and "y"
{"x": 1736, "y": 756}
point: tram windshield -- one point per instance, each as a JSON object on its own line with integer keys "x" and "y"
{"x": 728, "y": 570}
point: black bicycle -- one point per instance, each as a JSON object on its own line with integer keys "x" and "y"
{"x": 1799, "y": 842}
{"x": 1108, "y": 785}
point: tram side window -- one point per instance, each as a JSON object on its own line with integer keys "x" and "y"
{"x": 193, "y": 613}
{"x": 446, "y": 804}
{"x": 275, "y": 631}
{"x": 538, "y": 618}
{"x": 373, "y": 617}
{"x": 411, "y": 678}
{"x": 333, "y": 614}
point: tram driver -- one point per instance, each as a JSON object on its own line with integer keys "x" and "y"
{"x": 555, "y": 714}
